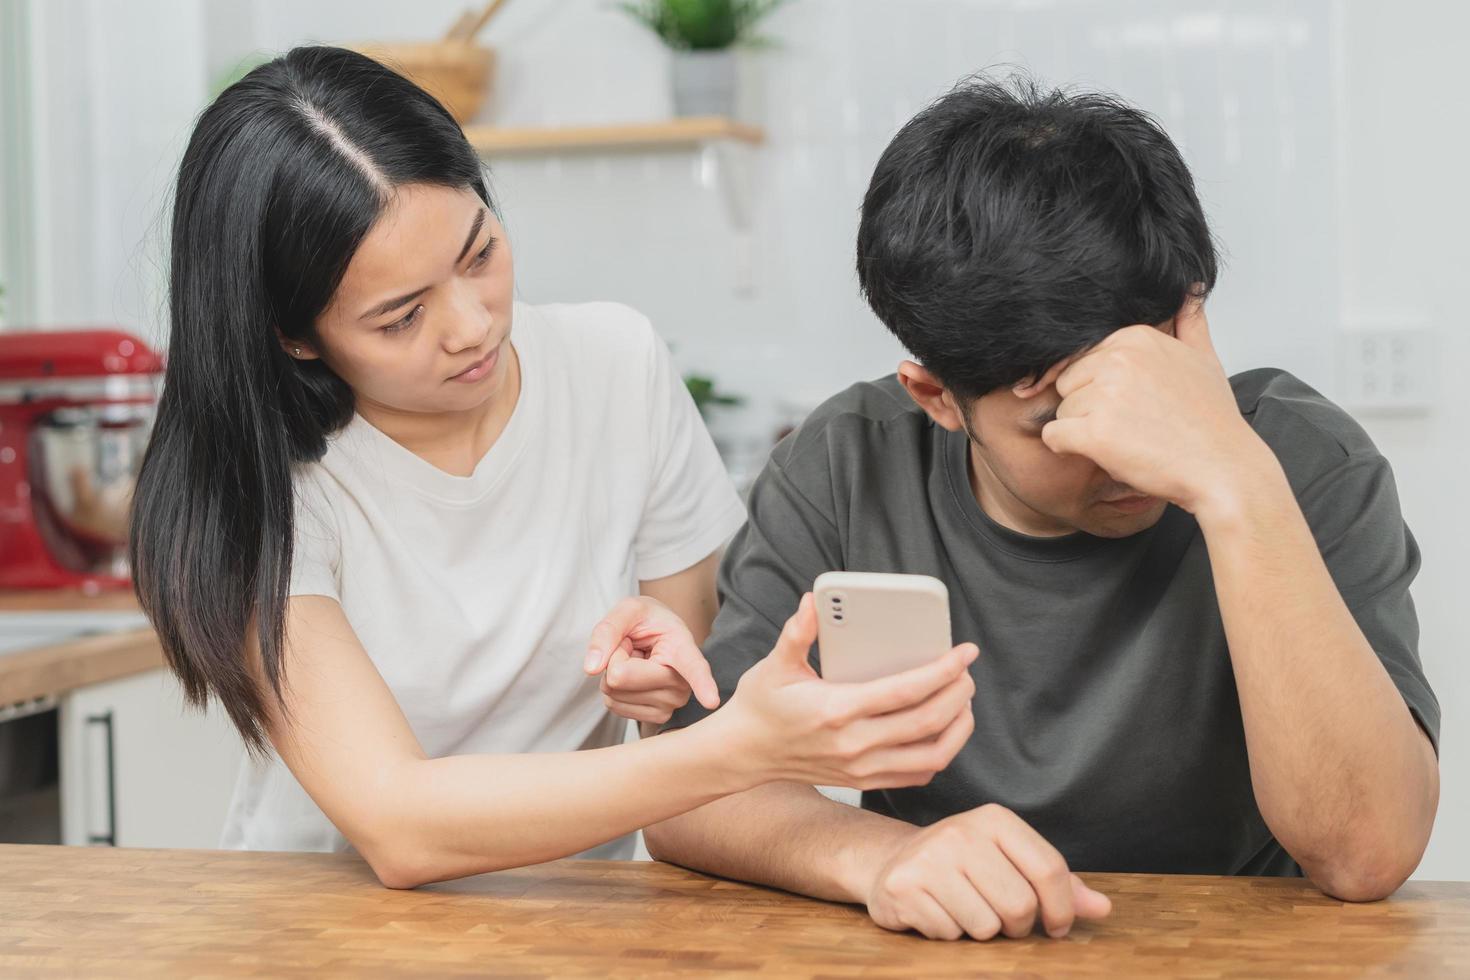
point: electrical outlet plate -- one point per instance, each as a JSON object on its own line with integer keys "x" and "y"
{"x": 1387, "y": 370}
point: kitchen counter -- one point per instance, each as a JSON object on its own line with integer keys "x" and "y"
{"x": 56, "y": 668}
{"x": 119, "y": 912}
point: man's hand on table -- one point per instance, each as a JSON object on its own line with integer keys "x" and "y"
{"x": 979, "y": 873}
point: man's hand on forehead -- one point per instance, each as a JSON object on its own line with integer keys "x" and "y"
{"x": 1035, "y": 386}
{"x": 1152, "y": 407}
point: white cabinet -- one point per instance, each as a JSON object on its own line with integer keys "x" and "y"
{"x": 140, "y": 770}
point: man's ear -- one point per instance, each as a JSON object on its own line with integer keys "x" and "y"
{"x": 930, "y": 395}
{"x": 301, "y": 350}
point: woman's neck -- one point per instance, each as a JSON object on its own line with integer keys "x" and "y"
{"x": 454, "y": 442}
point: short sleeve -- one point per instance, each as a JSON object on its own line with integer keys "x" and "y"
{"x": 787, "y": 541}
{"x": 317, "y": 549}
{"x": 1353, "y": 511}
{"x": 691, "y": 508}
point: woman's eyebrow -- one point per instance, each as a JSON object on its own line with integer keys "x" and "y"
{"x": 393, "y": 304}
{"x": 479, "y": 222}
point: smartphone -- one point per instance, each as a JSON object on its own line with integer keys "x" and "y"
{"x": 872, "y": 624}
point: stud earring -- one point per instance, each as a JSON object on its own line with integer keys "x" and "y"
{"x": 297, "y": 350}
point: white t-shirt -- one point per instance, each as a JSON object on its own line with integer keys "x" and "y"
{"x": 475, "y": 596}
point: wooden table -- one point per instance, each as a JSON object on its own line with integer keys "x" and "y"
{"x": 118, "y": 913}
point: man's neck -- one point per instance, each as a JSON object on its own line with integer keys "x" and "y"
{"x": 1003, "y": 506}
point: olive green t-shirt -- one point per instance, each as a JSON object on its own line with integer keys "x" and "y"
{"x": 1106, "y": 713}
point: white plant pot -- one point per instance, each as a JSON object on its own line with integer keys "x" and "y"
{"x": 704, "y": 83}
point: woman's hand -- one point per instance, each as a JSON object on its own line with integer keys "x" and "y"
{"x": 649, "y": 662}
{"x": 894, "y": 731}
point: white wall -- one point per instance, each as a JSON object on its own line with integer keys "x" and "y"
{"x": 1317, "y": 130}
{"x": 14, "y": 174}
{"x": 1247, "y": 93}
{"x": 1404, "y": 211}
{"x": 114, "y": 91}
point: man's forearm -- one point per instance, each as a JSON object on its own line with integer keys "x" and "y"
{"x": 1342, "y": 774}
{"x": 785, "y": 835}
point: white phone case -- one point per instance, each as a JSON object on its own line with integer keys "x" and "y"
{"x": 872, "y": 624}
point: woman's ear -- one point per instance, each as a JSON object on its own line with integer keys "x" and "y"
{"x": 931, "y": 395}
{"x": 300, "y": 350}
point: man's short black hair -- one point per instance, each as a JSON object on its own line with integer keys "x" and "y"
{"x": 1007, "y": 227}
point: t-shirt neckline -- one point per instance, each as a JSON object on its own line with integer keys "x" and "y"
{"x": 412, "y": 471}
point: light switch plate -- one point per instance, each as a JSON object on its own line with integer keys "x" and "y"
{"x": 1387, "y": 370}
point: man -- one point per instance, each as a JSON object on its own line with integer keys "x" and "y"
{"x": 1190, "y": 592}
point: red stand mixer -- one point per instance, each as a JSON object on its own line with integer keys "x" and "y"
{"x": 76, "y": 410}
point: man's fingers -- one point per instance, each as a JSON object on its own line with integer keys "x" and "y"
{"x": 1046, "y": 870}
{"x": 1006, "y": 890}
{"x": 1079, "y": 373}
{"x": 1035, "y": 386}
{"x": 955, "y": 893}
{"x": 610, "y": 633}
{"x": 1067, "y": 437}
{"x": 1078, "y": 405}
{"x": 911, "y": 687}
{"x": 1088, "y": 903}
{"x": 923, "y": 913}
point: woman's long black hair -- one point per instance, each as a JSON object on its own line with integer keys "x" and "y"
{"x": 283, "y": 176}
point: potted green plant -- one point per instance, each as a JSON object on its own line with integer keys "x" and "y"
{"x": 702, "y": 389}
{"x": 703, "y": 35}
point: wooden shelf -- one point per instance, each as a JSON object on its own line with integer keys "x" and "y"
{"x": 493, "y": 141}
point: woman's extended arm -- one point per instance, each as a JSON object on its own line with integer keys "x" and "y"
{"x": 417, "y": 819}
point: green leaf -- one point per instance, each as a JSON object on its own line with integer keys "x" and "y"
{"x": 702, "y": 390}
{"x": 701, "y": 25}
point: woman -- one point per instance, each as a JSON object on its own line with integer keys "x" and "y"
{"x": 377, "y": 524}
